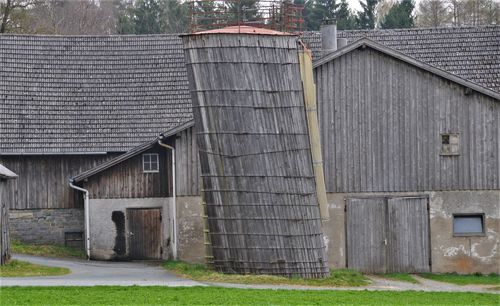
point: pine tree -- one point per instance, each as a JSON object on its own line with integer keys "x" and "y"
{"x": 366, "y": 18}
{"x": 346, "y": 20}
{"x": 400, "y": 15}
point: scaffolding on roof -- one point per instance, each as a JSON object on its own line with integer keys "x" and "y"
{"x": 279, "y": 15}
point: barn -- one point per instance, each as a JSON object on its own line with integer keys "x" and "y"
{"x": 411, "y": 156}
{"x": 5, "y": 174}
{"x": 140, "y": 204}
{"x": 70, "y": 103}
{"x": 409, "y": 122}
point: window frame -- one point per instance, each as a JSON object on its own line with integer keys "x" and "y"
{"x": 470, "y": 234}
{"x": 442, "y": 153}
{"x": 144, "y": 162}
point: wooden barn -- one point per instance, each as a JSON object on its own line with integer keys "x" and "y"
{"x": 409, "y": 122}
{"x": 411, "y": 151}
{"x": 69, "y": 104}
{"x": 131, "y": 210}
{"x": 5, "y": 174}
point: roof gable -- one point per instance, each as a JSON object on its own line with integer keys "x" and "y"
{"x": 470, "y": 52}
{"x": 365, "y": 42}
{"x": 5, "y": 173}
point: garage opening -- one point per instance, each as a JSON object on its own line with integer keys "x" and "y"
{"x": 388, "y": 235}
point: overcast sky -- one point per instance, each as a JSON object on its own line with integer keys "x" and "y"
{"x": 354, "y": 4}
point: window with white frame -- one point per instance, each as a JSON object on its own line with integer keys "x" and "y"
{"x": 150, "y": 163}
{"x": 468, "y": 224}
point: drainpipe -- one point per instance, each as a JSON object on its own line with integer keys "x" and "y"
{"x": 86, "y": 216}
{"x": 174, "y": 206}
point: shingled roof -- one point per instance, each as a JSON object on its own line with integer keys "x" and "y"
{"x": 89, "y": 93}
{"x": 472, "y": 53}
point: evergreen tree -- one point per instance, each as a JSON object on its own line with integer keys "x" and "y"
{"x": 147, "y": 17}
{"x": 243, "y": 11}
{"x": 366, "y": 18}
{"x": 400, "y": 15}
{"x": 174, "y": 16}
{"x": 346, "y": 20}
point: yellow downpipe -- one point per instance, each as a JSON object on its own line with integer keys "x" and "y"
{"x": 306, "y": 74}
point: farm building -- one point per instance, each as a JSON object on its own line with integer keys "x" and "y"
{"x": 71, "y": 103}
{"x": 411, "y": 160}
{"x": 5, "y": 174}
{"x": 419, "y": 140}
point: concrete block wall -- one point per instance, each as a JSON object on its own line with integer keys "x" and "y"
{"x": 448, "y": 253}
{"x": 190, "y": 230}
{"x": 44, "y": 226}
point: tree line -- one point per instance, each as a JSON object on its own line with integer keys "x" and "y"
{"x": 103, "y": 17}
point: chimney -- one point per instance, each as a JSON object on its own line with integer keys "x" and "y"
{"x": 329, "y": 38}
{"x": 341, "y": 43}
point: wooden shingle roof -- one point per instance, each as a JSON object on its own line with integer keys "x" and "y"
{"x": 472, "y": 53}
{"x": 83, "y": 94}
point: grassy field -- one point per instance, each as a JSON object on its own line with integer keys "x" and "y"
{"x": 338, "y": 278}
{"x": 470, "y": 279}
{"x": 403, "y": 277}
{"x": 46, "y": 250}
{"x": 225, "y": 296}
{"x": 17, "y": 268}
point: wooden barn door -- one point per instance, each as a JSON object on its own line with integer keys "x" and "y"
{"x": 387, "y": 235}
{"x": 366, "y": 233}
{"x": 144, "y": 227}
{"x": 408, "y": 235}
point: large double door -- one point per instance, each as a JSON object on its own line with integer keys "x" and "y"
{"x": 388, "y": 235}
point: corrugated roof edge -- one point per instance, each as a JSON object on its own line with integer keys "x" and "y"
{"x": 366, "y": 42}
{"x": 135, "y": 151}
{"x": 5, "y": 173}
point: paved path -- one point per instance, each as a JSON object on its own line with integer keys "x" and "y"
{"x": 98, "y": 273}
{"x": 378, "y": 284}
{"x": 104, "y": 273}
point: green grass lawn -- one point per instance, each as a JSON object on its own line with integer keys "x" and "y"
{"x": 469, "y": 279}
{"x": 46, "y": 250}
{"x": 225, "y": 296}
{"x": 17, "y": 268}
{"x": 403, "y": 277}
{"x": 341, "y": 277}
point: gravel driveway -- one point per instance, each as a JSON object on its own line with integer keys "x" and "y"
{"x": 98, "y": 273}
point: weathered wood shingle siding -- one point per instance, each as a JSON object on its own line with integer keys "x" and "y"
{"x": 128, "y": 180}
{"x": 44, "y": 183}
{"x": 381, "y": 121}
{"x": 187, "y": 163}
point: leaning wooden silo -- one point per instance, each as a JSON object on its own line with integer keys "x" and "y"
{"x": 258, "y": 181}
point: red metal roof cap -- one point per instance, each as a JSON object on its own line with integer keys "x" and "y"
{"x": 243, "y": 30}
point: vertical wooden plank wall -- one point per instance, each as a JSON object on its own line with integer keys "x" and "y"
{"x": 43, "y": 180}
{"x": 187, "y": 163}
{"x": 128, "y": 180}
{"x": 256, "y": 166}
{"x": 4, "y": 226}
{"x": 381, "y": 121}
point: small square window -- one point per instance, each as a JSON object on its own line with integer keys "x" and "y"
{"x": 450, "y": 144}
{"x": 468, "y": 225}
{"x": 150, "y": 163}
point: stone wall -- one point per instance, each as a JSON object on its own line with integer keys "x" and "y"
{"x": 44, "y": 226}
